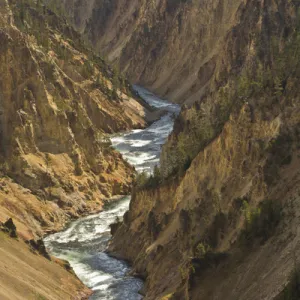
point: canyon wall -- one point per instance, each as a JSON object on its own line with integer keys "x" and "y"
{"x": 171, "y": 47}
{"x": 58, "y": 103}
{"x": 220, "y": 220}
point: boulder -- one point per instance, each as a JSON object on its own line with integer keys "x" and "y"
{"x": 11, "y": 228}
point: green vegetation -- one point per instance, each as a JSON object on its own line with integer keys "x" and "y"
{"x": 62, "y": 104}
{"x": 27, "y": 21}
{"x": 186, "y": 271}
{"x": 205, "y": 257}
{"x": 87, "y": 69}
{"x": 198, "y": 131}
{"x": 147, "y": 181}
{"x": 101, "y": 84}
{"x": 118, "y": 83}
{"x": 39, "y": 297}
{"x": 49, "y": 69}
{"x": 202, "y": 250}
{"x": 260, "y": 222}
{"x": 62, "y": 51}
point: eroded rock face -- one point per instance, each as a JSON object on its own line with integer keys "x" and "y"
{"x": 212, "y": 229}
{"x": 225, "y": 226}
{"x": 171, "y": 47}
{"x": 57, "y": 103}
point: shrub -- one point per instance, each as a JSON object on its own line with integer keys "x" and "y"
{"x": 202, "y": 250}
{"x": 142, "y": 179}
{"x": 87, "y": 69}
{"x": 206, "y": 258}
{"x": 261, "y": 221}
{"x": 147, "y": 181}
{"x": 49, "y": 70}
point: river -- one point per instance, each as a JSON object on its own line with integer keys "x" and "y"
{"x": 85, "y": 240}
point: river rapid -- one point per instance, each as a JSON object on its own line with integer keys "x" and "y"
{"x": 85, "y": 240}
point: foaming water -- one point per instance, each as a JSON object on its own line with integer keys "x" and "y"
{"x": 142, "y": 147}
{"x": 84, "y": 242}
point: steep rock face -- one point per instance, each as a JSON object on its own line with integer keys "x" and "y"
{"x": 222, "y": 223}
{"x": 165, "y": 226}
{"x": 171, "y": 47}
{"x": 58, "y": 101}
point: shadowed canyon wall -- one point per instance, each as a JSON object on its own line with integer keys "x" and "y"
{"x": 172, "y": 47}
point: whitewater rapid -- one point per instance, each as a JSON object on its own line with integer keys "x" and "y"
{"x": 84, "y": 242}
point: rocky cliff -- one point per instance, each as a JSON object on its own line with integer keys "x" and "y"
{"x": 220, "y": 219}
{"x": 172, "y": 47}
{"x": 58, "y": 102}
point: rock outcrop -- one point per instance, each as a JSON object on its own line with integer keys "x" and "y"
{"x": 39, "y": 247}
{"x": 9, "y": 227}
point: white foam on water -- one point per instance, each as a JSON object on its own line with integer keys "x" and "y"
{"x": 141, "y": 148}
{"x": 143, "y": 169}
{"x": 137, "y": 130}
{"x": 101, "y": 287}
{"x": 92, "y": 278}
{"x": 140, "y": 159}
{"x": 140, "y": 143}
{"x": 117, "y": 140}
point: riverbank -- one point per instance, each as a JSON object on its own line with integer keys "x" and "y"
{"x": 85, "y": 240}
{"x": 83, "y": 244}
{"x": 20, "y": 268}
